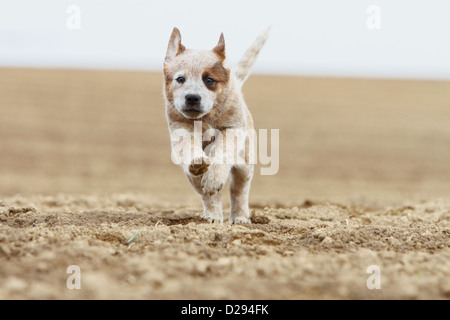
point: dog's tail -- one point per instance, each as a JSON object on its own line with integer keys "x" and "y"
{"x": 242, "y": 70}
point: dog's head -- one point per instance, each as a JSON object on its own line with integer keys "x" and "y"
{"x": 195, "y": 81}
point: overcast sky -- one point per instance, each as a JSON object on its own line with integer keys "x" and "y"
{"x": 322, "y": 37}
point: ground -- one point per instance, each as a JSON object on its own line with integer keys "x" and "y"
{"x": 363, "y": 181}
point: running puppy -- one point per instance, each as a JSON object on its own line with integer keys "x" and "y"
{"x": 203, "y": 95}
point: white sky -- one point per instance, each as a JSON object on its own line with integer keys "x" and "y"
{"x": 321, "y": 37}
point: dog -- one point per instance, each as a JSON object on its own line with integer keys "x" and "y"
{"x": 202, "y": 94}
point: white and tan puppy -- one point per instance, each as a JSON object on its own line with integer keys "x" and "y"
{"x": 204, "y": 97}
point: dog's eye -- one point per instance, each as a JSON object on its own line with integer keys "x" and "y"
{"x": 180, "y": 79}
{"x": 209, "y": 81}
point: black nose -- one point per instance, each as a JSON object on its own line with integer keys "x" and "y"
{"x": 193, "y": 99}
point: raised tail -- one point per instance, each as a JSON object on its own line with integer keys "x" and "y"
{"x": 242, "y": 70}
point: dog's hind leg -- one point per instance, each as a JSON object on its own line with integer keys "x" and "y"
{"x": 212, "y": 204}
{"x": 241, "y": 178}
{"x": 212, "y": 208}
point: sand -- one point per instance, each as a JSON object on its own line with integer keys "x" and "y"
{"x": 363, "y": 181}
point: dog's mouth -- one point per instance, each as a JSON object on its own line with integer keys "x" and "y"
{"x": 192, "y": 113}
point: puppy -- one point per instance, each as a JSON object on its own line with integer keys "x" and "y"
{"x": 204, "y": 97}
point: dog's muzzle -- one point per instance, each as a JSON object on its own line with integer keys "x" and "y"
{"x": 192, "y": 106}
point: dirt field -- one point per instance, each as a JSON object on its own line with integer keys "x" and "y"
{"x": 85, "y": 164}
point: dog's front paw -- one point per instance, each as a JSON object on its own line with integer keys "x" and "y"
{"x": 199, "y": 166}
{"x": 214, "y": 180}
{"x": 240, "y": 220}
{"x": 212, "y": 218}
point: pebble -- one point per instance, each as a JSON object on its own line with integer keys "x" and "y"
{"x": 237, "y": 242}
{"x": 15, "y": 284}
{"x": 394, "y": 241}
{"x": 5, "y": 251}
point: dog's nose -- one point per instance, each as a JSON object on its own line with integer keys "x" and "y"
{"x": 193, "y": 99}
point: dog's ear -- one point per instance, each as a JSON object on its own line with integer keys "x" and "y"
{"x": 220, "y": 48}
{"x": 175, "y": 47}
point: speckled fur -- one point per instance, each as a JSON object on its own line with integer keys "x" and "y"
{"x": 223, "y": 110}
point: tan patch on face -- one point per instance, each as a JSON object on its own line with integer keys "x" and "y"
{"x": 219, "y": 74}
{"x": 220, "y": 86}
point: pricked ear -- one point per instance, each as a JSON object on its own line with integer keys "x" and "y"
{"x": 220, "y": 48}
{"x": 175, "y": 47}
